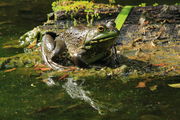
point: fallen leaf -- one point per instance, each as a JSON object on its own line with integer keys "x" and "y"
{"x": 33, "y": 44}
{"x": 43, "y": 68}
{"x": 9, "y": 70}
{"x": 161, "y": 64}
{"x": 146, "y": 22}
{"x": 153, "y": 88}
{"x": 176, "y": 85}
{"x": 141, "y": 85}
{"x": 70, "y": 69}
{"x": 63, "y": 77}
{"x": 7, "y": 46}
{"x": 32, "y": 85}
{"x": 39, "y": 65}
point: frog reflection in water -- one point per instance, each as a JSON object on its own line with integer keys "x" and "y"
{"x": 84, "y": 44}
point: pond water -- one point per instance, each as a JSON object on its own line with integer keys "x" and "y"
{"x": 24, "y": 96}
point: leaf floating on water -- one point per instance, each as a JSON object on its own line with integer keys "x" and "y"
{"x": 45, "y": 109}
{"x": 176, "y": 85}
{"x": 10, "y": 46}
{"x": 153, "y": 88}
{"x": 5, "y": 22}
{"x": 42, "y": 68}
{"x": 7, "y": 46}
{"x": 45, "y": 69}
{"x": 32, "y": 85}
{"x": 161, "y": 64}
{"x": 70, "y": 69}
{"x": 141, "y": 85}
{"x": 9, "y": 70}
{"x": 39, "y": 65}
{"x": 63, "y": 77}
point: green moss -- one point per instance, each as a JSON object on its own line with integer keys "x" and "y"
{"x": 142, "y": 5}
{"x": 77, "y": 5}
{"x": 30, "y": 37}
{"x": 73, "y": 7}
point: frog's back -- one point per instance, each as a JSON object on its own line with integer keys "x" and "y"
{"x": 74, "y": 37}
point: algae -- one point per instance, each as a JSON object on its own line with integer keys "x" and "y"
{"x": 90, "y": 10}
{"x": 20, "y": 60}
{"x": 78, "y": 5}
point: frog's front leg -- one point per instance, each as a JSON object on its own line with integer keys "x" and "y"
{"x": 59, "y": 47}
{"x": 79, "y": 60}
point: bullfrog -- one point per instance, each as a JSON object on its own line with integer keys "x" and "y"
{"x": 84, "y": 44}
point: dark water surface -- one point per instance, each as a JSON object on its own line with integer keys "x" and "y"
{"x": 24, "y": 97}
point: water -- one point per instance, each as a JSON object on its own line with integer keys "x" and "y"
{"x": 103, "y": 97}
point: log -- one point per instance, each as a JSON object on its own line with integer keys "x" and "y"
{"x": 159, "y": 23}
{"x": 152, "y": 34}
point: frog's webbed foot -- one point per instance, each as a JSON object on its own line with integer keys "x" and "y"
{"x": 52, "y": 47}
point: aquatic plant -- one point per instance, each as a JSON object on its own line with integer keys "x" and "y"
{"x": 122, "y": 16}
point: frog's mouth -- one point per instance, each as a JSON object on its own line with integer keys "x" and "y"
{"x": 103, "y": 37}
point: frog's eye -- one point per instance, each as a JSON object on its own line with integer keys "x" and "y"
{"x": 101, "y": 28}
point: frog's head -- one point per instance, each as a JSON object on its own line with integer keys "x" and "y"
{"x": 97, "y": 44}
{"x": 102, "y": 35}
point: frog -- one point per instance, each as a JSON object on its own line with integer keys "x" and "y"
{"x": 85, "y": 45}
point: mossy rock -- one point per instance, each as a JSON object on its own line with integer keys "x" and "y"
{"x": 82, "y": 11}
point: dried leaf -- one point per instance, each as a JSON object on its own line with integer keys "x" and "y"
{"x": 7, "y": 46}
{"x": 63, "y": 77}
{"x": 161, "y": 64}
{"x": 70, "y": 69}
{"x": 177, "y": 85}
{"x": 146, "y": 22}
{"x": 33, "y": 44}
{"x": 141, "y": 85}
{"x": 9, "y": 70}
{"x": 39, "y": 65}
{"x": 153, "y": 88}
{"x": 43, "y": 69}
